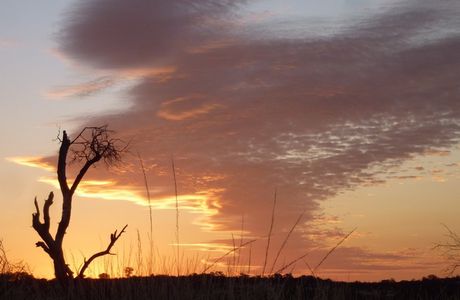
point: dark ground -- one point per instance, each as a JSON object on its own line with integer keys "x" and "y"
{"x": 24, "y": 286}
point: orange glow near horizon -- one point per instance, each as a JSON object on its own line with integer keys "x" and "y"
{"x": 199, "y": 204}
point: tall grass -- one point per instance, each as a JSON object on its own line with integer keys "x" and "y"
{"x": 269, "y": 234}
{"x": 241, "y": 241}
{"x": 150, "y": 213}
{"x": 283, "y": 244}
{"x": 210, "y": 266}
{"x": 9, "y": 267}
{"x": 177, "y": 215}
{"x": 232, "y": 258}
{"x": 5, "y": 265}
{"x": 333, "y": 249}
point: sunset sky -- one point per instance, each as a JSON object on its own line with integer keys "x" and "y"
{"x": 349, "y": 109}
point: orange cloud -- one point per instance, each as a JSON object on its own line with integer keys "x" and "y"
{"x": 206, "y": 247}
{"x": 200, "y": 202}
{"x": 160, "y": 73}
{"x": 31, "y": 161}
{"x": 436, "y": 152}
{"x": 203, "y": 202}
{"x": 83, "y": 89}
{"x": 177, "y": 109}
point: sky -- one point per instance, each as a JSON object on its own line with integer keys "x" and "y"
{"x": 348, "y": 110}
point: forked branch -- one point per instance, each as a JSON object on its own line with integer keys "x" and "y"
{"x": 113, "y": 238}
{"x": 43, "y": 228}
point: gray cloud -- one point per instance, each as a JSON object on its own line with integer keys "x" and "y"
{"x": 311, "y": 116}
{"x": 118, "y": 34}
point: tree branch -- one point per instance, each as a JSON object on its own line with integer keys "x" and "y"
{"x": 83, "y": 171}
{"x": 46, "y": 211}
{"x": 44, "y": 246}
{"x": 43, "y": 228}
{"x": 61, "y": 170}
{"x": 36, "y": 215}
{"x": 113, "y": 238}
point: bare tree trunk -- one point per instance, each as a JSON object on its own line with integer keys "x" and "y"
{"x": 62, "y": 271}
{"x": 98, "y": 147}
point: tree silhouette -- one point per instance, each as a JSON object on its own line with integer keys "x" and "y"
{"x": 450, "y": 250}
{"x": 91, "y": 145}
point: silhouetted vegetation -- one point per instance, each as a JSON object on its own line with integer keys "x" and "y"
{"x": 9, "y": 267}
{"x": 451, "y": 250}
{"x": 91, "y": 145}
{"x": 217, "y": 286}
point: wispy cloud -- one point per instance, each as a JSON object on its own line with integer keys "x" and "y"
{"x": 179, "y": 109}
{"x": 82, "y": 90}
{"x": 35, "y": 162}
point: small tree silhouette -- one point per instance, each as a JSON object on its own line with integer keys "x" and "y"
{"x": 91, "y": 145}
{"x": 450, "y": 250}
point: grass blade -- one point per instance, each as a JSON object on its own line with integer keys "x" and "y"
{"x": 177, "y": 215}
{"x": 150, "y": 212}
{"x": 226, "y": 254}
{"x": 332, "y": 250}
{"x": 269, "y": 235}
{"x": 285, "y": 241}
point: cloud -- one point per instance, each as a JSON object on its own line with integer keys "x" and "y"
{"x": 119, "y": 34}
{"x": 82, "y": 90}
{"x": 310, "y": 116}
{"x": 34, "y": 162}
{"x": 111, "y": 190}
{"x": 359, "y": 261}
{"x": 179, "y": 109}
{"x": 202, "y": 203}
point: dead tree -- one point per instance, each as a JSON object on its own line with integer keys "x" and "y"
{"x": 451, "y": 251}
{"x": 91, "y": 145}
